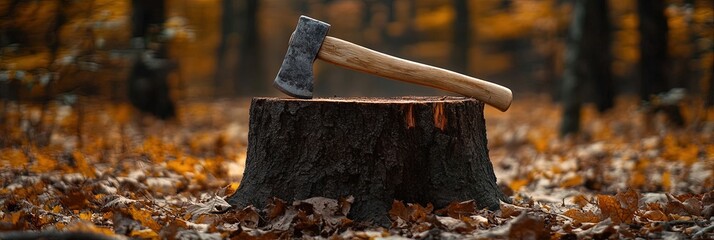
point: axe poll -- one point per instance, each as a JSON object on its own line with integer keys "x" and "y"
{"x": 310, "y": 41}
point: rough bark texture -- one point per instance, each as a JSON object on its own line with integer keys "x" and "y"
{"x": 421, "y": 150}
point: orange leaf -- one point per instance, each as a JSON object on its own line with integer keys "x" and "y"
{"x": 458, "y": 210}
{"x": 655, "y": 215}
{"x": 13, "y": 158}
{"x": 82, "y": 165}
{"x": 667, "y": 180}
{"x": 43, "y": 164}
{"x": 86, "y": 216}
{"x": 518, "y": 184}
{"x": 144, "y": 234}
{"x": 576, "y": 180}
{"x": 620, "y": 208}
{"x": 609, "y": 207}
{"x": 399, "y": 210}
{"x": 580, "y": 200}
{"x": 144, "y": 217}
{"x": 582, "y": 216}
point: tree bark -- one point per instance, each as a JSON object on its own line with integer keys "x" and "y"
{"x": 653, "y": 47}
{"x": 416, "y": 149}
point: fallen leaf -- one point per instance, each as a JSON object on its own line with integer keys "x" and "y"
{"x": 655, "y": 215}
{"x": 144, "y": 217}
{"x": 457, "y": 210}
{"x": 581, "y": 216}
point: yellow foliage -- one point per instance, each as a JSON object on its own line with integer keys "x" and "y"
{"x": 83, "y": 166}
{"x": 57, "y": 209}
{"x": 438, "y": 18}
{"x": 667, "y": 180}
{"x": 233, "y": 187}
{"x": 86, "y": 216}
{"x": 680, "y": 150}
{"x": 518, "y": 184}
{"x": 85, "y": 226}
{"x": 28, "y": 62}
{"x": 144, "y": 217}
{"x": 144, "y": 234}
{"x": 43, "y": 163}
{"x": 182, "y": 165}
{"x": 15, "y": 217}
{"x": 540, "y": 140}
{"x": 573, "y": 181}
{"x": 637, "y": 179}
{"x": 13, "y": 158}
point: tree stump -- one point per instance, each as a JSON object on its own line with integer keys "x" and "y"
{"x": 416, "y": 149}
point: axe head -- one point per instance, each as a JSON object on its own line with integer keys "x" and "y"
{"x": 295, "y": 76}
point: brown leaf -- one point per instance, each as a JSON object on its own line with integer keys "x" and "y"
{"x": 580, "y": 200}
{"x": 322, "y": 206}
{"x": 693, "y": 206}
{"x": 526, "y": 226}
{"x": 674, "y": 206}
{"x": 214, "y": 204}
{"x": 419, "y": 214}
{"x": 284, "y": 221}
{"x": 75, "y": 198}
{"x": 346, "y": 204}
{"x": 708, "y": 198}
{"x": 459, "y": 209}
{"x": 603, "y": 230}
{"x": 275, "y": 208}
{"x": 247, "y": 216}
{"x": 655, "y": 215}
{"x": 307, "y": 223}
{"x": 399, "y": 210}
{"x": 581, "y": 216}
{"x": 609, "y": 208}
{"x": 629, "y": 199}
{"x": 509, "y": 210}
{"x": 620, "y": 208}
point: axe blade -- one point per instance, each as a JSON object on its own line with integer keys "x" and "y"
{"x": 295, "y": 76}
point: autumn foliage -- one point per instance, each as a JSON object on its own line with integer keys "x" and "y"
{"x": 133, "y": 176}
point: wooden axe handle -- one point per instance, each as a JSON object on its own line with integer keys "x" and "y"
{"x": 353, "y": 56}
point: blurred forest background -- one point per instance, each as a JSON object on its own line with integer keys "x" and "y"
{"x": 62, "y": 50}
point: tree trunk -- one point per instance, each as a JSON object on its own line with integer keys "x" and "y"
{"x": 572, "y": 77}
{"x": 598, "y": 57}
{"x": 653, "y": 47}
{"x": 416, "y": 149}
{"x": 239, "y": 53}
{"x": 462, "y": 38}
{"x": 147, "y": 84}
{"x": 587, "y": 63}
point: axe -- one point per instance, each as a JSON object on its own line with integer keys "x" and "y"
{"x": 310, "y": 40}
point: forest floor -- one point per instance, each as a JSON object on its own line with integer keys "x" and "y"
{"x": 102, "y": 171}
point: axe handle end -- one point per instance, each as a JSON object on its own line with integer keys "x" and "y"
{"x": 353, "y": 56}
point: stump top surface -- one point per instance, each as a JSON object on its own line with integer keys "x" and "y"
{"x": 375, "y": 100}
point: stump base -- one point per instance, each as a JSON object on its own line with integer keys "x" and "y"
{"x": 416, "y": 149}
